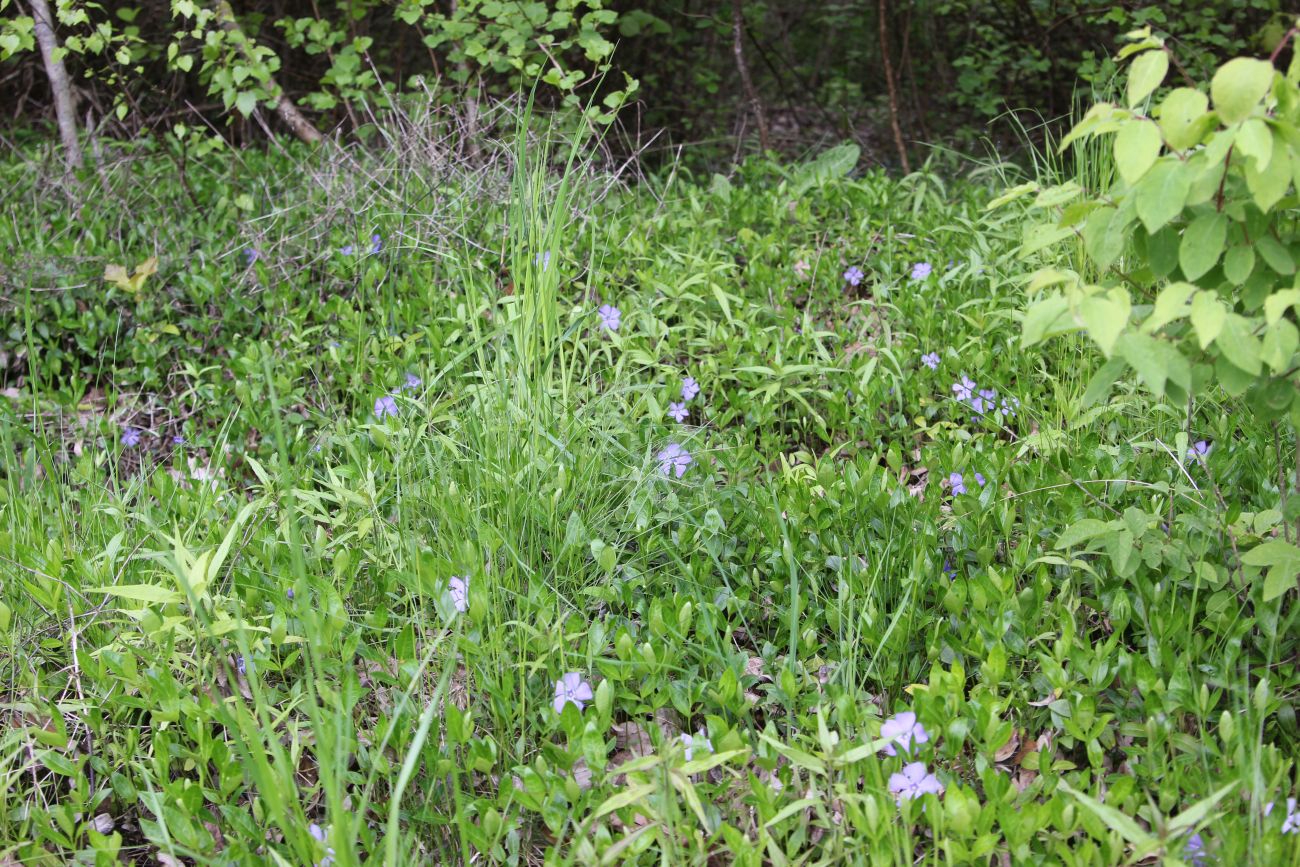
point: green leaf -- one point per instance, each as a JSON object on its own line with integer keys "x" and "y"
{"x": 1145, "y": 75}
{"x": 1239, "y": 345}
{"x": 1170, "y": 304}
{"x": 1104, "y": 318}
{"x": 1255, "y": 140}
{"x": 1238, "y": 264}
{"x": 1193, "y": 815}
{"x": 1268, "y": 184}
{"x": 246, "y": 102}
{"x": 1208, "y": 316}
{"x": 1280, "y": 343}
{"x": 1162, "y": 193}
{"x": 1202, "y": 244}
{"x": 1102, "y": 238}
{"x": 1100, "y": 384}
{"x": 1275, "y": 255}
{"x": 1238, "y": 87}
{"x": 1082, "y": 531}
{"x": 1283, "y": 558}
{"x": 628, "y": 796}
{"x": 1113, "y": 819}
{"x": 1184, "y": 118}
{"x": 830, "y": 165}
{"x": 1155, "y": 361}
{"x": 1162, "y": 251}
{"x": 141, "y": 593}
{"x": 1137, "y": 146}
{"x": 1279, "y": 303}
{"x": 1046, "y": 318}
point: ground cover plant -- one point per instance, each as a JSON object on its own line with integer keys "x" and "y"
{"x": 408, "y": 504}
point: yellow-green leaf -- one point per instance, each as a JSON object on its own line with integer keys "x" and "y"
{"x": 1137, "y": 146}
{"x": 1238, "y": 87}
{"x": 1184, "y": 118}
{"x": 1145, "y": 75}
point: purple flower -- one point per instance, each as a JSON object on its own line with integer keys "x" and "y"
{"x": 1194, "y": 852}
{"x": 376, "y": 243}
{"x": 320, "y": 835}
{"x": 956, "y": 483}
{"x": 289, "y": 593}
{"x": 949, "y": 569}
{"x": 458, "y": 587}
{"x": 690, "y": 388}
{"x": 544, "y": 259}
{"x": 130, "y": 437}
{"x": 1291, "y": 824}
{"x": 913, "y": 782}
{"x": 1009, "y": 406}
{"x": 931, "y": 360}
{"x": 241, "y": 664}
{"x": 921, "y": 270}
{"x": 964, "y": 389}
{"x": 571, "y": 688}
{"x": 346, "y": 250}
{"x": 674, "y": 459}
{"x": 979, "y": 477}
{"x": 610, "y": 317}
{"x": 678, "y": 411}
{"x": 1199, "y": 450}
{"x": 251, "y": 255}
{"x": 853, "y": 276}
{"x": 178, "y": 440}
{"x": 698, "y": 741}
{"x": 903, "y": 729}
{"x": 412, "y": 382}
{"x": 385, "y": 406}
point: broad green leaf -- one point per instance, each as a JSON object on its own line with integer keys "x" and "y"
{"x": 1238, "y": 263}
{"x": 1238, "y": 87}
{"x": 1083, "y": 530}
{"x": 1145, "y": 75}
{"x": 830, "y": 165}
{"x": 1255, "y": 140}
{"x": 1278, "y": 581}
{"x": 628, "y": 796}
{"x": 1208, "y": 316}
{"x": 1041, "y": 235}
{"x": 1279, "y": 303}
{"x": 1155, "y": 361}
{"x": 1202, "y": 244}
{"x": 246, "y": 102}
{"x": 1239, "y": 345}
{"x": 1283, "y": 560}
{"x": 1275, "y": 255}
{"x": 1184, "y": 118}
{"x": 1280, "y": 343}
{"x": 141, "y": 593}
{"x": 1104, "y": 317}
{"x": 1137, "y": 146}
{"x": 1162, "y": 193}
{"x": 1046, "y": 318}
{"x": 1268, "y": 184}
{"x": 1012, "y": 194}
{"x": 1193, "y": 815}
{"x": 1162, "y": 251}
{"x": 1101, "y": 239}
{"x": 1170, "y": 304}
{"x": 1058, "y": 195}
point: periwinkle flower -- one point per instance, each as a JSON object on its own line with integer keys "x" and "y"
{"x": 979, "y": 477}
{"x": 931, "y": 360}
{"x": 1009, "y": 407}
{"x": 913, "y": 782}
{"x": 610, "y": 317}
{"x": 376, "y": 243}
{"x": 853, "y": 275}
{"x": 130, "y": 437}
{"x": 289, "y": 593}
{"x": 690, "y": 388}
{"x": 964, "y": 389}
{"x": 674, "y": 460}
{"x": 1198, "y": 451}
{"x": 678, "y": 411}
{"x": 571, "y": 688}
{"x": 346, "y": 249}
{"x": 241, "y": 664}
{"x": 902, "y": 729}
{"x": 385, "y": 406}
{"x": 1194, "y": 851}
{"x": 412, "y": 382}
{"x": 949, "y": 570}
{"x": 458, "y": 587}
{"x": 698, "y": 741}
{"x": 178, "y": 440}
{"x": 251, "y": 255}
{"x": 543, "y": 259}
{"x": 921, "y": 270}
{"x": 956, "y": 483}
{"x": 320, "y": 835}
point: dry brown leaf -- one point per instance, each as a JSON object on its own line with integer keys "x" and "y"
{"x": 754, "y": 668}
{"x": 1008, "y": 749}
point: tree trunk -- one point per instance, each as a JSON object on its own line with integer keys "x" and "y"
{"x": 738, "y": 46}
{"x": 297, "y": 122}
{"x": 65, "y": 106}
{"x": 893, "y": 89}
